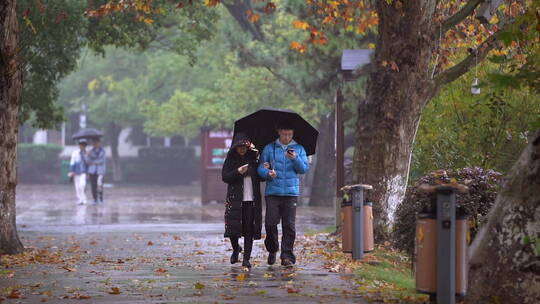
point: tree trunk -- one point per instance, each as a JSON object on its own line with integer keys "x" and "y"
{"x": 323, "y": 186}
{"x": 114, "y": 133}
{"x": 399, "y": 87}
{"x": 10, "y": 98}
{"x": 505, "y": 263}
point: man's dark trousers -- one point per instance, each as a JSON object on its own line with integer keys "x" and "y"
{"x": 281, "y": 208}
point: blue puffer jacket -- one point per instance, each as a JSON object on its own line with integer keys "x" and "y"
{"x": 286, "y": 182}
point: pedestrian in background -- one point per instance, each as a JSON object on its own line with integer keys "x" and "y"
{"x": 243, "y": 212}
{"x": 96, "y": 170}
{"x": 78, "y": 170}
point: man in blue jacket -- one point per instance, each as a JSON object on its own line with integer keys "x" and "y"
{"x": 280, "y": 163}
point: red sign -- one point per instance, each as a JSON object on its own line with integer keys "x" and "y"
{"x": 217, "y": 144}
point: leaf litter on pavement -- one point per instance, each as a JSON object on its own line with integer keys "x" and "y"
{"x": 139, "y": 256}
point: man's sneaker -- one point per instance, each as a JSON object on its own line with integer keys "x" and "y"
{"x": 286, "y": 262}
{"x": 271, "y": 258}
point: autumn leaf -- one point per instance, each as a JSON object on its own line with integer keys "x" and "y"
{"x": 371, "y": 45}
{"x": 300, "y": 25}
{"x": 211, "y": 3}
{"x": 198, "y": 285}
{"x": 253, "y": 18}
{"x": 241, "y": 277}
{"x": 70, "y": 269}
{"x": 394, "y": 66}
{"x": 297, "y": 46}
{"x": 150, "y": 243}
{"x": 228, "y": 297}
{"x": 161, "y": 270}
{"x": 15, "y": 294}
{"x": 115, "y": 290}
{"x": 269, "y": 8}
{"x": 293, "y": 290}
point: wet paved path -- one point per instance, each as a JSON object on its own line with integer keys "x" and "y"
{"x": 154, "y": 245}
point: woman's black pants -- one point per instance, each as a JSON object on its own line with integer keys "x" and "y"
{"x": 247, "y": 230}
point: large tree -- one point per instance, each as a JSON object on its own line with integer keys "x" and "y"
{"x": 40, "y": 42}
{"x": 403, "y": 80}
{"x": 10, "y": 98}
{"x": 504, "y": 263}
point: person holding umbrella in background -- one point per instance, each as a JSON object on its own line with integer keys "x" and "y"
{"x": 96, "y": 169}
{"x": 243, "y": 212}
{"x": 78, "y": 169}
{"x": 80, "y": 161}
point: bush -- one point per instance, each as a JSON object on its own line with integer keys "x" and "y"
{"x": 38, "y": 163}
{"x": 483, "y": 186}
{"x": 162, "y": 166}
{"x": 167, "y": 153}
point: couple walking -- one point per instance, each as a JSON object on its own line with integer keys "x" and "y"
{"x": 279, "y": 165}
{"x": 90, "y": 163}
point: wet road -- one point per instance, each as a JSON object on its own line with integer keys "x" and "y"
{"x": 155, "y": 245}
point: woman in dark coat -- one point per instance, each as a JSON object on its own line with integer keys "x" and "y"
{"x": 243, "y": 212}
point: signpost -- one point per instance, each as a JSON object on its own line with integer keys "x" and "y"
{"x": 215, "y": 145}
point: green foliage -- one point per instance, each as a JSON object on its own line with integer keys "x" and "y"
{"x": 51, "y": 37}
{"x": 460, "y": 130}
{"x": 483, "y": 186}
{"x": 53, "y": 33}
{"x": 521, "y": 68}
{"x": 38, "y": 152}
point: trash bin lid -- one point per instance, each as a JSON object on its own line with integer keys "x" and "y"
{"x": 345, "y": 203}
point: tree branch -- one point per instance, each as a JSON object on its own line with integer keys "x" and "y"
{"x": 252, "y": 60}
{"x": 238, "y": 11}
{"x": 470, "y": 61}
{"x": 463, "y": 13}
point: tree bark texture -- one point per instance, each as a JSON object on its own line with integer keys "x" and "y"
{"x": 114, "y": 133}
{"x": 505, "y": 255}
{"x": 323, "y": 186}
{"x": 399, "y": 87}
{"x": 10, "y": 98}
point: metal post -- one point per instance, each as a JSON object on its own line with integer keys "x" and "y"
{"x": 446, "y": 245}
{"x": 358, "y": 222}
{"x": 340, "y": 170}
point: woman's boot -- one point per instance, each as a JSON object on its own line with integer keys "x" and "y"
{"x": 248, "y": 244}
{"x": 236, "y": 250}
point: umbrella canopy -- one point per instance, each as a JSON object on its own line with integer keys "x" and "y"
{"x": 87, "y": 133}
{"x": 261, "y": 125}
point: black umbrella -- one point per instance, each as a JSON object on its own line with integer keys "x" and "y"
{"x": 87, "y": 133}
{"x": 261, "y": 125}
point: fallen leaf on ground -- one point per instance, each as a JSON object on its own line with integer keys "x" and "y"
{"x": 241, "y": 277}
{"x": 227, "y": 297}
{"x": 115, "y": 290}
{"x": 199, "y": 285}
{"x": 15, "y": 294}
{"x": 161, "y": 270}
{"x": 70, "y": 269}
{"x": 293, "y": 290}
{"x": 150, "y": 243}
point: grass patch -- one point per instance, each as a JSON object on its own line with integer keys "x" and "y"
{"x": 327, "y": 229}
{"x": 388, "y": 277}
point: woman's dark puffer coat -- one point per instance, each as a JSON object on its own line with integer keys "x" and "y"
{"x": 235, "y": 193}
